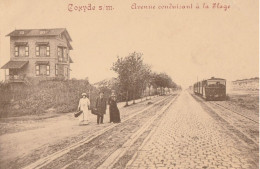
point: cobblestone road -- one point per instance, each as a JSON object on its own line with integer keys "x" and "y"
{"x": 188, "y": 137}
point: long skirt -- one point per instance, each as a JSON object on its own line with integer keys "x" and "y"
{"x": 84, "y": 117}
{"x": 115, "y": 116}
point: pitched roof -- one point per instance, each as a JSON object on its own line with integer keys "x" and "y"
{"x": 40, "y": 32}
{"x": 14, "y": 64}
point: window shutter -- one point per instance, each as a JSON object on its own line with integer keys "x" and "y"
{"x": 37, "y": 50}
{"x": 48, "y": 70}
{"x": 26, "y": 51}
{"x": 48, "y": 51}
{"x": 37, "y": 68}
{"x": 56, "y": 69}
{"x": 16, "y": 51}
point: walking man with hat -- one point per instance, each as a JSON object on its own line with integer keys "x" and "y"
{"x": 101, "y": 106}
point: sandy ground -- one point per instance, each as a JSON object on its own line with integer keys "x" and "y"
{"x": 24, "y": 135}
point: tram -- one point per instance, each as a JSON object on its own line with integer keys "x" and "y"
{"x": 211, "y": 89}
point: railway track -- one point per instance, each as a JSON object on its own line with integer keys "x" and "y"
{"x": 41, "y": 163}
{"x": 238, "y": 123}
{"x": 219, "y": 105}
{"x": 109, "y": 162}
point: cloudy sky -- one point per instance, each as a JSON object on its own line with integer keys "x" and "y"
{"x": 185, "y": 44}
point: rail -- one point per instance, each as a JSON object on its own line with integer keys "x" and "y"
{"x": 48, "y": 159}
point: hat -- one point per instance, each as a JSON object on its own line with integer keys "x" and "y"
{"x": 84, "y": 94}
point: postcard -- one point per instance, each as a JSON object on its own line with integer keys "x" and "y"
{"x": 129, "y": 84}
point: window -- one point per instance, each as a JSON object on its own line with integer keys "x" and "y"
{"x": 210, "y": 82}
{"x": 21, "y": 51}
{"x": 42, "y": 50}
{"x": 65, "y": 54}
{"x": 66, "y": 71}
{"x": 62, "y": 54}
{"x": 42, "y": 70}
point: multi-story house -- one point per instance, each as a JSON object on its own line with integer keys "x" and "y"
{"x": 38, "y": 54}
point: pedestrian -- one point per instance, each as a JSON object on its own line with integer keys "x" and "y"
{"x": 108, "y": 102}
{"x": 84, "y": 105}
{"x": 113, "y": 109}
{"x": 101, "y": 106}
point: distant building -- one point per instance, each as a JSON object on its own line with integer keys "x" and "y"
{"x": 38, "y": 54}
{"x": 248, "y": 84}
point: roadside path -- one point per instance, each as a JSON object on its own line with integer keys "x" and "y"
{"x": 26, "y": 141}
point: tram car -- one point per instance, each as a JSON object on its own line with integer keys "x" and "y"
{"x": 211, "y": 89}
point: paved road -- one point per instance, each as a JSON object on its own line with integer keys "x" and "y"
{"x": 188, "y": 137}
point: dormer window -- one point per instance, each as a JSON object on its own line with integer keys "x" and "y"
{"x": 42, "y": 32}
{"x": 21, "y": 32}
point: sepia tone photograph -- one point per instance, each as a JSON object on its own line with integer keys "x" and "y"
{"x": 129, "y": 84}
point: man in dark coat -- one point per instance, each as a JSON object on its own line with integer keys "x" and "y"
{"x": 101, "y": 106}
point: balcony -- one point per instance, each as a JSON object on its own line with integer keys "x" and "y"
{"x": 15, "y": 78}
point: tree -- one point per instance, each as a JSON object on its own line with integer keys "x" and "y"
{"x": 134, "y": 76}
{"x": 162, "y": 80}
{"x": 143, "y": 76}
{"x": 131, "y": 74}
{"x": 135, "y": 63}
{"x": 121, "y": 67}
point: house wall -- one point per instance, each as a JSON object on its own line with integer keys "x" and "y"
{"x": 29, "y": 69}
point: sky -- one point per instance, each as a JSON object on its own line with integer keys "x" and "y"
{"x": 189, "y": 45}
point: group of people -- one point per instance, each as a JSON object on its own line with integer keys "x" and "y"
{"x": 100, "y": 109}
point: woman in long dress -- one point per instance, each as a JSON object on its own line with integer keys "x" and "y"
{"x": 114, "y": 111}
{"x": 84, "y": 105}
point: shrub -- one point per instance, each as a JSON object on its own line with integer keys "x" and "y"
{"x": 62, "y": 96}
